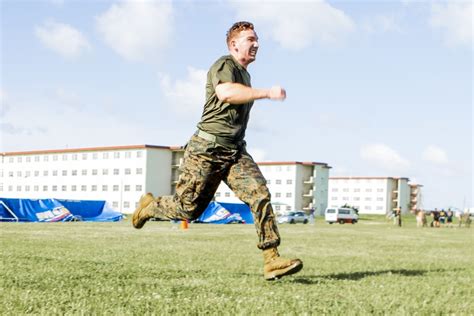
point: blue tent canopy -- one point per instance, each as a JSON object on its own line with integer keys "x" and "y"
{"x": 52, "y": 210}
{"x": 226, "y": 213}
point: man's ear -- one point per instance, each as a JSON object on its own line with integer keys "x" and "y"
{"x": 233, "y": 46}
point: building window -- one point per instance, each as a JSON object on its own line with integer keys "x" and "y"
{"x": 277, "y": 207}
{"x": 74, "y": 173}
{"x": 64, "y": 157}
{"x": 64, "y": 172}
{"x": 116, "y": 155}
{"x": 357, "y": 190}
{"x": 104, "y": 188}
{"x": 345, "y": 198}
{"x": 345, "y": 190}
{"x": 334, "y": 190}
{"x": 269, "y": 181}
{"x": 74, "y": 156}
{"x": 18, "y": 188}
{"x": 28, "y": 159}
{"x": 10, "y": 173}
{"x": 288, "y": 208}
{"x": 379, "y": 199}
{"x": 379, "y": 190}
{"x": 84, "y": 172}
{"x": 94, "y": 188}
{"x": 368, "y": 199}
{"x": 55, "y": 173}
{"x": 37, "y": 158}
{"x": 64, "y": 188}
{"x": 227, "y": 194}
{"x": 10, "y": 160}
{"x": 218, "y": 194}
{"x": 55, "y": 158}
{"x": 368, "y": 207}
{"x": 105, "y": 172}
{"x": 278, "y": 168}
{"x": 27, "y": 188}
{"x": 84, "y": 156}
{"x": 105, "y": 155}
{"x": 356, "y": 198}
{"x": 278, "y": 194}
{"x": 95, "y": 156}
{"x": 116, "y": 172}
{"x": 126, "y": 187}
{"x": 288, "y": 195}
{"x": 36, "y": 188}
{"x": 128, "y": 154}
{"x": 138, "y": 187}
{"x": 289, "y": 181}
{"x": 278, "y": 181}
{"x": 128, "y": 171}
{"x": 126, "y": 204}
{"x": 334, "y": 198}
{"x": 368, "y": 190}
{"x": 45, "y": 158}
{"x": 55, "y": 188}
{"x": 114, "y": 204}
{"x": 18, "y": 174}
{"x": 83, "y": 187}
{"x": 73, "y": 188}
{"x": 94, "y": 172}
{"x": 115, "y": 187}
{"x": 139, "y": 171}
{"x": 45, "y": 173}
{"x": 20, "y": 159}
{"x": 45, "y": 188}
{"x": 379, "y": 208}
{"x": 139, "y": 154}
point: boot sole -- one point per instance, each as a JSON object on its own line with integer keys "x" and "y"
{"x": 294, "y": 268}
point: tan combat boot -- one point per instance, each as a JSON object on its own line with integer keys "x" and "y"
{"x": 276, "y": 267}
{"x": 143, "y": 213}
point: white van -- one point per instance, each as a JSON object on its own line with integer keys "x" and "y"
{"x": 341, "y": 215}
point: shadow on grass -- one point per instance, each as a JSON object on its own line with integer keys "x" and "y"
{"x": 354, "y": 276}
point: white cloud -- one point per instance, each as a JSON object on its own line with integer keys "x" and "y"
{"x": 296, "y": 25}
{"x": 435, "y": 155}
{"x": 384, "y": 156}
{"x": 185, "y": 97}
{"x": 137, "y": 30}
{"x": 63, "y": 39}
{"x": 257, "y": 154}
{"x": 56, "y": 126}
{"x": 454, "y": 19}
{"x": 381, "y": 23}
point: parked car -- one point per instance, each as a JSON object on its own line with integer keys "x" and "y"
{"x": 294, "y": 217}
{"x": 341, "y": 215}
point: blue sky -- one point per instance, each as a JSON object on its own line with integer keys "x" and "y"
{"x": 375, "y": 88}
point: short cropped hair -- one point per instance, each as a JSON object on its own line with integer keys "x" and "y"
{"x": 236, "y": 28}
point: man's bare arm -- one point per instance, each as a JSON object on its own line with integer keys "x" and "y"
{"x": 236, "y": 93}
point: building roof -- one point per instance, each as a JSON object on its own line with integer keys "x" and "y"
{"x": 87, "y": 149}
{"x": 367, "y": 178}
{"x": 277, "y": 163}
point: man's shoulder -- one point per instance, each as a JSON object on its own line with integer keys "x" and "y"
{"x": 224, "y": 60}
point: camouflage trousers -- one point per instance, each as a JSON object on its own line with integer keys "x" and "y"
{"x": 205, "y": 165}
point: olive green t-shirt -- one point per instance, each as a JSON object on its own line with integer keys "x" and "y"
{"x": 222, "y": 119}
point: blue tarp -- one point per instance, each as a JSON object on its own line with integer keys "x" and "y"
{"x": 226, "y": 213}
{"x": 52, "y": 210}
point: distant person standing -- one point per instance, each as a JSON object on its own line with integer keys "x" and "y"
{"x": 217, "y": 152}
{"x": 449, "y": 218}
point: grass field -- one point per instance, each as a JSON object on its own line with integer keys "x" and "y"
{"x": 109, "y": 268}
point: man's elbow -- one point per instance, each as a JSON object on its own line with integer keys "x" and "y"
{"x": 223, "y": 93}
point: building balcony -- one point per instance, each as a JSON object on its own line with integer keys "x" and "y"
{"x": 308, "y": 194}
{"x": 309, "y": 181}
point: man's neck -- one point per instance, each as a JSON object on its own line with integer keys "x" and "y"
{"x": 240, "y": 61}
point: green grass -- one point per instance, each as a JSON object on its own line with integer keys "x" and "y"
{"x": 372, "y": 267}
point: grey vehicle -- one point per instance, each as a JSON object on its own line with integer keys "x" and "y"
{"x": 294, "y": 217}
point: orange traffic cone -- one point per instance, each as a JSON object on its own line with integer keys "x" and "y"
{"x": 184, "y": 224}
